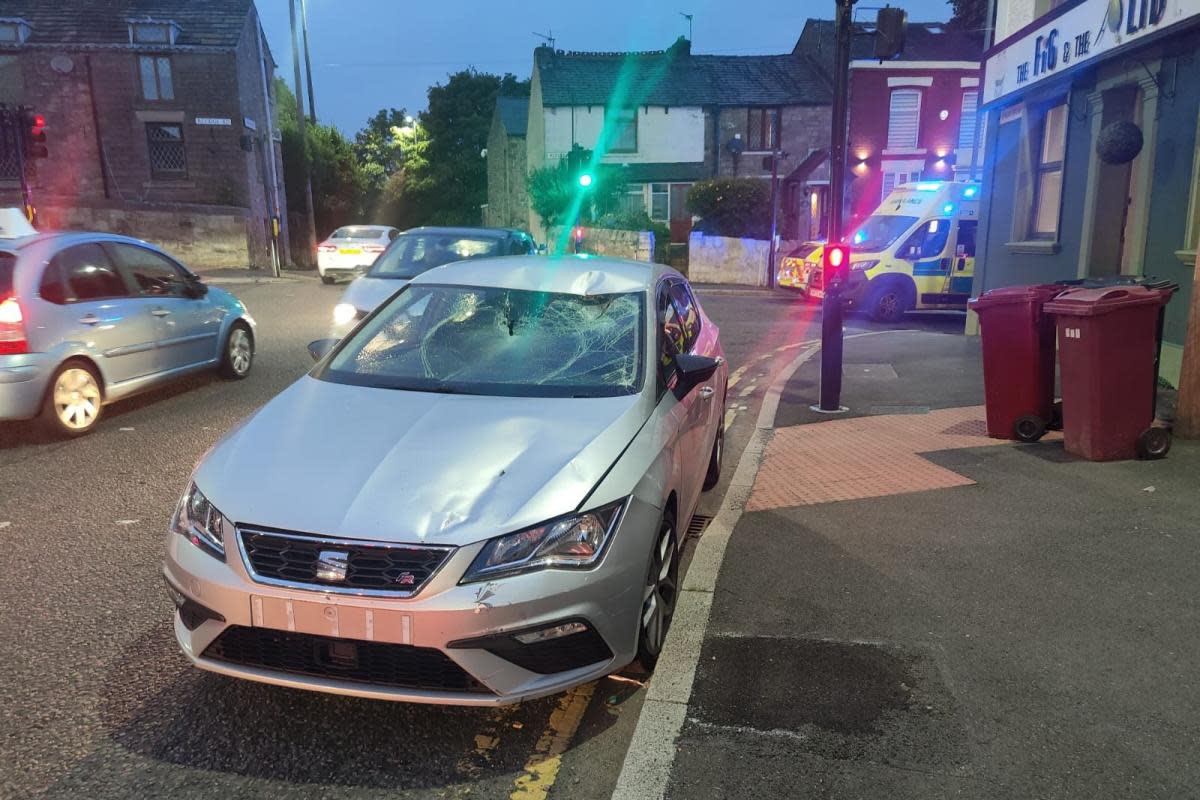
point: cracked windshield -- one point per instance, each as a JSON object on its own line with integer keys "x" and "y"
{"x": 461, "y": 400}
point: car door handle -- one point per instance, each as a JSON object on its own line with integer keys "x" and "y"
{"x": 706, "y": 392}
{"x": 90, "y": 319}
{"x": 160, "y": 312}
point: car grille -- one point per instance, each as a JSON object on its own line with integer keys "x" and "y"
{"x": 394, "y": 665}
{"x": 372, "y": 568}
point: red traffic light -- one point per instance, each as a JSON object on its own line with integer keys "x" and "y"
{"x": 38, "y": 121}
{"x": 835, "y": 264}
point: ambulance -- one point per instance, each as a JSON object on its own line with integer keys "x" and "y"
{"x": 916, "y": 251}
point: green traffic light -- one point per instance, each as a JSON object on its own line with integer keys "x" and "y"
{"x": 585, "y": 180}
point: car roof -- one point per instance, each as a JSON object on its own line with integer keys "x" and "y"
{"x": 66, "y": 238}
{"x": 494, "y": 232}
{"x": 571, "y": 274}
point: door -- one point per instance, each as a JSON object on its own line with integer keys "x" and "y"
{"x": 188, "y": 326}
{"x": 97, "y": 312}
{"x": 698, "y": 402}
{"x": 924, "y": 252}
{"x": 680, "y": 217}
{"x": 962, "y": 268}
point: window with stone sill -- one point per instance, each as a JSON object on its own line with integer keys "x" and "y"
{"x": 1049, "y": 155}
{"x": 762, "y": 129}
{"x": 168, "y": 156}
{"x": 157, "y": 81}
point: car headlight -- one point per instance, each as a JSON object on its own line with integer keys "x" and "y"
{"x": 344, "y": 314}
{"x": 863, "y": 266}
{"x": 200, "y": 522}
{"x": 573, "y": 542}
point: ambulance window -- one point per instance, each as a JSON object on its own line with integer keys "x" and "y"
{"x": 928, "y": 241}
{"x": 966, "y": 238}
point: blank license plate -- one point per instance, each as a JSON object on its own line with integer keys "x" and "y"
{"x": 350, "y": 251}
{"x": 330, "y": 619}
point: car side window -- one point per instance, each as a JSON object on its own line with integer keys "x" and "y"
{"x": 53, "y": 288}
{"x": 530, "y": 248}
{"x": 152, "y": 274}
{"x": 671, "y": 338}
{"x": 688, "y": 311}
{"x": 87, "y": 273}
{"x": 516, "y": 247}
{"x": 927, "y": 241}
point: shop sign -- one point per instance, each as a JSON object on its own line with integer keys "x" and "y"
{"x": 1081, "y": 34}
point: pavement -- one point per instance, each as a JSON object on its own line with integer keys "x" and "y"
{"x": 892, "y": 604}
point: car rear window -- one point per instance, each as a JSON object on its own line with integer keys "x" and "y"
{"x": 8, "y": 265}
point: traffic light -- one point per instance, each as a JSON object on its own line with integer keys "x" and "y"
{"x": 585, "y": 179}
{"x": 35, "y": 133}
{"x": 891, "y": 24}
{"x": 835, "y": 265}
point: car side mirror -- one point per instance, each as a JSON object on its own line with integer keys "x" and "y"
{"x": 321, "y": 348}
{"x": 196, "y": 289}
{"x": 693, "y": 370}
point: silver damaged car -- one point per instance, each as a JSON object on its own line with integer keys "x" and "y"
{"x": 476, "y": 497}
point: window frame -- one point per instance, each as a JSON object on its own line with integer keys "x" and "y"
{"x": 666, "y": 194}
{"x": 157, "y": 61}
{"x": 968, "y": 144}
{"x": 631, "y": 124}
{"x": 916, "y": 139}
{"x": 675, "y": 288}
{"x": 760, "y": 144}
{"x": 160, "y": 174}
{"x": 170, "y": 29}
{"x": 922, "y": 231}
{"x": 113, "y": 251}
{"x": 1039, "y": 169}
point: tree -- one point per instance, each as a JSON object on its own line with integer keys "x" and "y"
{"x": 378, "y": 148}
{"x": 448, "y": 184}
{"x": 968, "y": 15}
{"x": 732, "y": 207}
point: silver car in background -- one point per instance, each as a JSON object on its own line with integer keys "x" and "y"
{"x": 352, "y": 248}
{"x": 90, "y": 318}
{"x": 476, "y": 497}
{"x": 419, "y": 250}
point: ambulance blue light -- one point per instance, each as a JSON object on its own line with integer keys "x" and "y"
{"x": 928, "y": 187}
{"x": 970, "y": 191}
{"x": 860, "y": 237}
{"x": 948, "y": 208}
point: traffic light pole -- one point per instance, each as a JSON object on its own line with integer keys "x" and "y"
{"x": 831, "y": 309}
{"x": 774, "y": 218}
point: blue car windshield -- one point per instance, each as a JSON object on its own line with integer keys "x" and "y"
{"x": 879, "y": 232}
{"x": 413, "y": 253}
{"x": 501, "y": 342}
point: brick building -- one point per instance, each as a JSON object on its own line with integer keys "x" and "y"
{"x": 508, "y": 200}
{"x": 669, "y": 118}
{"x": 911, "y": 118}
{"x": 159, "y": 120}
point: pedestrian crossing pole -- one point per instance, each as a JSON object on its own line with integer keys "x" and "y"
{"x": 831, "y": 308}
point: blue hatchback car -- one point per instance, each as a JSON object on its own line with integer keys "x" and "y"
{"x": 90, "y": 318}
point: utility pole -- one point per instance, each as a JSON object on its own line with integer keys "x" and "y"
{"x": 311, "y": 237}
{"x": 312, "y": 103}
{"x": 771, "y": 253}
{"x": 831, "y": 309}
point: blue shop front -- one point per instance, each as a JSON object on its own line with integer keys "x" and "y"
{"x": 1092, "y": 164}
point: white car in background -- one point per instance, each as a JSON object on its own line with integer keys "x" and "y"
{"x": 352, "y": 248}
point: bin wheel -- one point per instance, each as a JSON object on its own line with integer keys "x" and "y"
{"x": 1029, "y": 428}
{"x": 1056, "y": 417}
{"x": 1153, "y": 443}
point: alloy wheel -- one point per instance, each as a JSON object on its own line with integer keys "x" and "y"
{"x": 889, "y": 305}
{"x": 76, "y": 398}
{"x": 240, "y": 351}
{"x": 658, "y": 598}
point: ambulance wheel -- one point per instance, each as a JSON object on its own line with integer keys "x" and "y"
{"x": 1029, "y": 428}
{"x": 1153, "y": 443}
{"x": 889, "y": 301}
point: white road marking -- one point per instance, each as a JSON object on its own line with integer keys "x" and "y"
{"x": 127, "y": 522}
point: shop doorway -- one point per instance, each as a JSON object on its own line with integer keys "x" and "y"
{"x": 1116, "y": 198}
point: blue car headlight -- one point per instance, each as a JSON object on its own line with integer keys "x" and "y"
{"x": 200, "y": 522}
{"x": 573, "y": 542}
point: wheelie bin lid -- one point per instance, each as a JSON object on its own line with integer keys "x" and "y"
{"x": 1094, "y": 302}
{"x": 1007, "y": 295}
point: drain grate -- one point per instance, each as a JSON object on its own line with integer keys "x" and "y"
{"x": 697, "y": 525}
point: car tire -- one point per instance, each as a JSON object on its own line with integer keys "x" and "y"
{"x": 713, "y": 476}
{"x": 889, "y": 301}
{"x": 237, "y": 354}
{"x": 326, "y": 279}
{"x": 659, "y": 593}
{"x": 74, "y": 401}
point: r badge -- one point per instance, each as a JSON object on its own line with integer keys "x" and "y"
{"x": 332, "y": 565}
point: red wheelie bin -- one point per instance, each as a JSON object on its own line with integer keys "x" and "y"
{"x": 1018, "y": 360}
{"x": 1108, "y": 342}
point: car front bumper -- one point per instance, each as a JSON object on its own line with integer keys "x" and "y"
{"x": 443, "y": 616}
{"x": 23, "y": 381}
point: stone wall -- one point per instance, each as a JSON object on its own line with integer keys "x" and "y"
{"x": 199, "y": 240}
{"x": 635, "y": 245}
{"x": 724, "y": 259}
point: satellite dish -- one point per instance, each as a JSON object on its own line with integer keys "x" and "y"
{"x": 62, "y": 64}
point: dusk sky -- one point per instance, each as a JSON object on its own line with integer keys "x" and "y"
{"x": 369, "y": 54}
